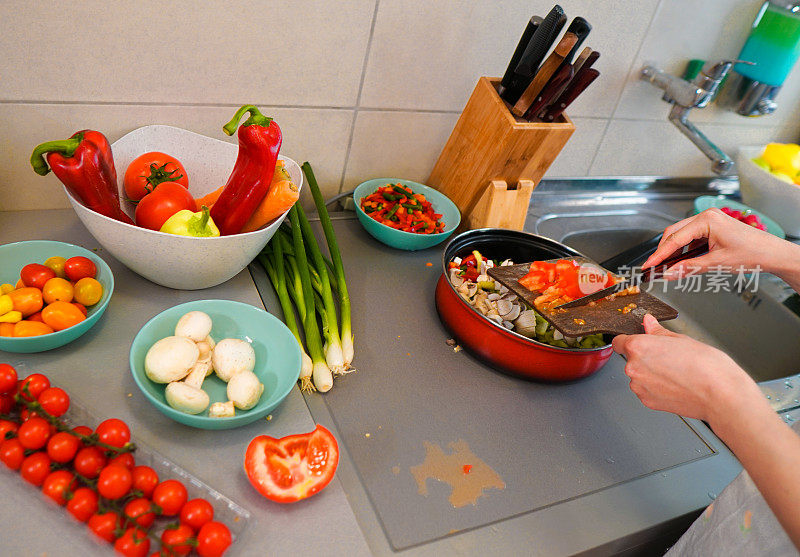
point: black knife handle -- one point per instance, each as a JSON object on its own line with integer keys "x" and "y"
{"x": 508, "y": 77}
{"x": 581, "y": 28}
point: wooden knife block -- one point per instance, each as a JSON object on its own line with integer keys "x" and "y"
{"x": 493, "y": 160}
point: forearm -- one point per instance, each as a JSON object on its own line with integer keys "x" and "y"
{"x": 784, "y": 261}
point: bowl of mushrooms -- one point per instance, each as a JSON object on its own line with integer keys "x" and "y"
{"x": 215, "y": 364}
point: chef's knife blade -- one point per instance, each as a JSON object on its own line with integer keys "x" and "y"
{"x": 578, "y": 84}
{"x": 527, "y": 35}
{"x": 544, "y": 74}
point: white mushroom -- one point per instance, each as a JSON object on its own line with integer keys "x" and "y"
{"x": 221, "y": 410}
{"x": 232, "y": 355}
{"x": 195, "y": 325}
{"x": 206, "y": 347}
{"x": 244, "y": 389}
{"x": 170, "y": 359}
{"x": 188, "y": 395}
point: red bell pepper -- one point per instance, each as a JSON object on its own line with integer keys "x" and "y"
{"x": 85, "y": 165}
{"x": 259, "y": 143}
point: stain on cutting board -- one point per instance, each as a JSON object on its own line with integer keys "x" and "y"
{"x": 467, "y": 475}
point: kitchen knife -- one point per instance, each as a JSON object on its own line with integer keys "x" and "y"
{"x": 549, "y": 67}
{"x": 695, "y": 249}
{"x": 577, "y": 86}
{"x": 548, "y": 94}
{"x": 527, "y": 35}
{"x": 541, "y": 41}
{"x": 580, "y": 28}
{"x": 576, "y": 67}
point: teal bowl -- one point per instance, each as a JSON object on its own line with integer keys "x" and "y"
{"x": 15, "y": 256}
{"x": 398, "y": 238}
{"x": 708, "y": 201}
{"x": 277, "y": 358}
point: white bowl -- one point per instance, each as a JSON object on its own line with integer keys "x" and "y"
{"x": 181, "y": 262}
{"x": 768, "y": 194}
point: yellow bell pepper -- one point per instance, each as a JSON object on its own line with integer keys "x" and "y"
{"x": 783, "y": 158}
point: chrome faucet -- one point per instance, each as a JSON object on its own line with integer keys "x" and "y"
{"x": 686, "y": 95}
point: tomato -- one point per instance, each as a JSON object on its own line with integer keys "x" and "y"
{"x": 88, "y": 291}
{"x": 293, "y": 467}
{"x": 166, "y": 200}
{"x": 150, "y": 169}
{"x": 213, "y": 539}
{"x": 27, "y": 414}
{"x": 57, "y": 264}
{"x": 8, "y": 379}
{"x": 54, "y": 401}
{"x": 31, "y": 329}
{"x": 89, "y": 461}
{"x": 62, "y": 447}
{"x": 113, "y": 432}
{"x": 176, "y": 539}
{"x": 6, "y": 329}
{"x": 170, "y": 495}
{"x": 6, "y": 426}
{"x": 196, "y": 512}
{"x": 57, "y": 290}
{"x": 34, "y": 433}
{"x": 103, "y": 525}
{"x": 12, "y": 453}
{"x": 62, "y": 315}
{"x": 27, "y": 300}
{"x": 57, "y": 484}
{"x": 145, "y": 479}
{"x": 78, "y": 267}
{"x": 133, "y": 543}
{"x": 81, "y": 307}
{"x": 36, "y": 317}
{"x": 33, "y": 385}
{"x": 114, "y": 482}
{"x": 141, "y": 512}
{"x": 36, "y": 275}
{"x": 35, "y": 468}
{"x": 7, "y": 403}
{"x": 82, "y": 430}
{"x": 124, "y": 459}
{"x": 83, "y": 503}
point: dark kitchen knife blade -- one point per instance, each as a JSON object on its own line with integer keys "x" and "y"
{"x": 545, "y": 72}
{"x": 541, "y": 41}
{"x": 548, "y": 94}
{"x": 527, "y": 35}
{"x": 578, "y": 84}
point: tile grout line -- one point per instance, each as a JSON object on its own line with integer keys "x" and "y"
{"x": 622, "y": 91}
{"x": 358, "y": 97}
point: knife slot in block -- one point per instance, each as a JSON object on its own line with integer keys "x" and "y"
{"x": 501, "y": 206}
{"x": 490, "y": 144}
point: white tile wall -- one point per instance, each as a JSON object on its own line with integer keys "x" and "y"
{"x": 361, "y": 88}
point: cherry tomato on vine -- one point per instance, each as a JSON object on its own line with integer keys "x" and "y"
{"x": 12, "y": 453}
{"x": 35, "y": 468}
{"x": 57, "y": 264}
{"x": 114, "y": 482}
{"x": 103, "y": 525}
{"x": 170, "y": 495}
{"x": 150, "y": 169}
{"x": 36, "y": 275}
{"x": 166, "y": 200}
{"x": 62, "y": 447}
{"x": 57, "y": 484}
{"x": 88, "y": 291}
{"x": 89, "y": 461}
{"x": 34, "y": 433}
{"x": 140, "y": 511}
{"x": 36, "y": 383}
{"x": 176, "y": 539}
{"x": 8, "y": 379}
{"x": 7, "y": 403}
{"x": 213, "y": 539}
{"x": 78, "y": 267}
{"x": 83, "y": 503}
{"x": 6, "y": 426}
{"x": 57, "y": 290}
{"x": 145, "y": 479}
{"x": 133, "y": 543}
{"x": 113, "y": 432}
{"x": 26, "y": 414}
{"x": 125, "y": 459}
{"x": 54, "y": 401}
{"x": 196, "y": 512}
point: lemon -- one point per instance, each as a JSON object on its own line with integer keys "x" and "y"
{"x": 782, "y": 157}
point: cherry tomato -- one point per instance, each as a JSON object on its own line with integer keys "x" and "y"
{"x": 57, "y": 264}
{"x": 62, "y": 315}
{"x": 27, "y": 300}
{"x": 103, "y": 525}
{"x": 213, "y": 539}
{"x": 62, "y": 447}
{"x": 35, "y": 468}
{"x": 36, "y": 275}
{"x": 78, "y": 267}
{"x": 124, "y": 459}
{"x": 166, "y": 200}
{"x": 141, "y": 512}
{"x": 27, "y": 414}
{"x": 133, "y": 543}
{"x": 150, "y": 169}
{"x": 170, "y": 495}
{"x": 34, "y": 433}
{"x": 12, "y": 453}
{"x": 6, "y": 329}
{"x": 36, "y": 317}
{"x": 31, "y": 329}
{"x": 114, "y": 482}
{"x": 88, "y": 291}
{"x": 82, "y": 430}
{"x": 89, "y": 461}
{"x": 176, "y": 539}
{"x": 83, "y": 503}
{"x": 113, "y": 432}
{"x": 294, "y": 467}
{"x": 8, "y": 379}
{"x": 145, "y": 479}
{"x": 57, "y": 290}
{"x": 57, "y": 484}
{"x": 32, "y": 386}
{"x": 81, "y": 307}
{"x": 54, "y": 401}
{"x": 196, "y": 512}
{"x": 7, "y": 403}
{"x": 6, "y": 426}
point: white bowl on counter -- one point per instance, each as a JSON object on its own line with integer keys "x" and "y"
{"x": 181, "y": 262}
{"x": 766, "y": 193}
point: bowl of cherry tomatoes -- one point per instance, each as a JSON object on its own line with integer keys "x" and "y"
{"x": 56, "y": 292}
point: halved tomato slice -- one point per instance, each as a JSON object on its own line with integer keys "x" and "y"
{"x": 293, "y": 467}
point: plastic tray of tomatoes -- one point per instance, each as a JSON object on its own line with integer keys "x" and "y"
{"x": 225, "y": 510}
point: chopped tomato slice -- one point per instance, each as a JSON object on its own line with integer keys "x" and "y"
{"x": 293, "y": 467}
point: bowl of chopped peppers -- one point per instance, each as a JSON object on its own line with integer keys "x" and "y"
{"x": 404, "y": 214}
